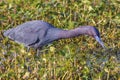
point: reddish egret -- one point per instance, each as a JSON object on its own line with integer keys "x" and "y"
{"x": 38, "y": 33}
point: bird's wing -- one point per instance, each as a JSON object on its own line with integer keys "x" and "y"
{"x": 26, "y": 38}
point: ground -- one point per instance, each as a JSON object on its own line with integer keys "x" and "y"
{"x": 78, "y": 58}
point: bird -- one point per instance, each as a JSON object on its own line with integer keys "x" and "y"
{"x": 38, "y": 33}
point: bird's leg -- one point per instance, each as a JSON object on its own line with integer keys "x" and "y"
{"x": 28, "y": 49}
{"x": 38, "y": 51}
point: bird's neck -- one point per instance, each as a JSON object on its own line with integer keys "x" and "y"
{"x": 72, "y": 33}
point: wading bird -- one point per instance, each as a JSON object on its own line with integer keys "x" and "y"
{"x": 38, "y": 33}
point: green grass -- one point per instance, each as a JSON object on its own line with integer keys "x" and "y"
{"x": 80, "y": 58}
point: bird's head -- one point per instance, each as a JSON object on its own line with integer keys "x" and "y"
{"x": 92, "y": 31}
{"x": 96, "y": 35}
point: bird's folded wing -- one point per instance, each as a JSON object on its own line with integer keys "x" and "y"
{"x": 25, "y": 38}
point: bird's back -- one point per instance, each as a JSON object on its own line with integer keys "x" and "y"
{"x": 33, "y": 26}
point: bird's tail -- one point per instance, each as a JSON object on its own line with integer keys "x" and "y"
{"x": 7, "y": 33}
{"x": 2, "y": 35}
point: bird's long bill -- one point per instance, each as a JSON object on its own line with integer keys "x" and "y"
{"x": 100, "y": 41}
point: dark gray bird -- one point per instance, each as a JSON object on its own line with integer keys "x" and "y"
{"x": 38, "y": 33}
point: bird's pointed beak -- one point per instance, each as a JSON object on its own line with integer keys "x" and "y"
{"x": 100, "y": 41}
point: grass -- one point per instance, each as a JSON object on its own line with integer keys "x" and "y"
{"x": 81, "y": 58}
